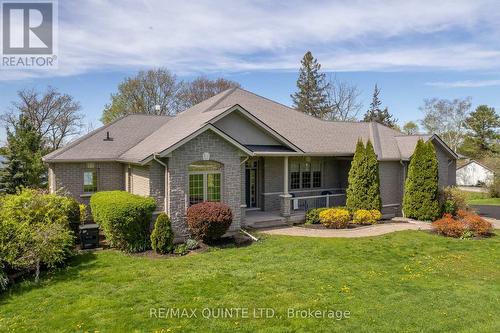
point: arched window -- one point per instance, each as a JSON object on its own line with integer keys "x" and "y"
{"x": 204, "y": 181}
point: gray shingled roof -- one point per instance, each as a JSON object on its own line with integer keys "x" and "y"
{"x": 126, "y": 132}
{"x": 149, "y": 135}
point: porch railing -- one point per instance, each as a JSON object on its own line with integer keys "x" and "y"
{"x": 317, "y": 201}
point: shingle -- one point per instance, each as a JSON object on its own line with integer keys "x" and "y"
{"x": 137, "y": 138}
{"x": 125, "y": 132}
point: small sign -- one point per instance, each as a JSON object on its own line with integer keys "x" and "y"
{"x": 206, "y": 156}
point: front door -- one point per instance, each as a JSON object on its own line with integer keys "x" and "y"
{"x": 251, "y": 183}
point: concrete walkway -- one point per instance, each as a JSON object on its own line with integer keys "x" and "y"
{"x": 372, "y": 230}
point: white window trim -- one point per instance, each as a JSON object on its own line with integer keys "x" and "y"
{"x": 205, "y": 183}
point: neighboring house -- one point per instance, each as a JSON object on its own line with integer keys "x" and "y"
{"x": 264, "y": 159}
{"x": 474, "y": 173}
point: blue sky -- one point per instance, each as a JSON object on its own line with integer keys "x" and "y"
{"x": 412, "y": 49}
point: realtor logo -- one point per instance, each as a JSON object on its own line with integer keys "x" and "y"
{"x": 28, "y": 28}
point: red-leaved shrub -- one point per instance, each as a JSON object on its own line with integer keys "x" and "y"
{"x": 448, "y": 226}
{"x": 464, "y": 221}
{"x": 209, "y": 220}
{"x": 476, "y": 224}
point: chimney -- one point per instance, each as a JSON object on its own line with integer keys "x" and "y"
{"x": 108, "y": 138}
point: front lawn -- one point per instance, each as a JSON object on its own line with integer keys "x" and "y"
{"x": 480, "y": 198}
{"x": 486, "y": 201}
{"x": 408, "y": 281}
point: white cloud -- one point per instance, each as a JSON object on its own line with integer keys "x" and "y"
{"x": 465, "y": 84}
{"x": 202, "y": 36}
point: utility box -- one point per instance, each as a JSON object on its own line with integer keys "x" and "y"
{"x": 89, "y": 236}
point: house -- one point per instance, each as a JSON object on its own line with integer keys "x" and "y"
{"x": 473, "y": 173}
{"x": 268, "y": 162}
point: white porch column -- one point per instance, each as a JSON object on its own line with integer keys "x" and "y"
{"x": 285, "y": 176}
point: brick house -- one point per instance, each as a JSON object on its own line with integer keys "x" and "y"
{"x": 268, "y": 162}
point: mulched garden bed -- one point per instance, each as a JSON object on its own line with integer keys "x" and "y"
{"x": 349, "y": 226}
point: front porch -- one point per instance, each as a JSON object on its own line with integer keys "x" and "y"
{"x": 258, "y": 219}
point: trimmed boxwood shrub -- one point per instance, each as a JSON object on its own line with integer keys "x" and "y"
{"x": 208, "y": 221}
{"x": 124, "y": 218}
{"x": 162, "y": 237}
{"x": 312, "y": 215}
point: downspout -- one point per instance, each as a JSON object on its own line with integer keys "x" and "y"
{"x": 166, "y": 181}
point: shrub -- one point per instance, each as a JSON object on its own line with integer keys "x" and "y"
{"x": 191, "y": 244}
{"x": 465, "y": 225}
{"x": 162, "y": 237}
{"x": 35, "y": 229}
{"x": 454, "y": 199}
{"x": 477, "y": 225}
{"x": 494, "y": 187}
{"x": 421, "y": 187}
{"x": 362, "y": 216}
{"x": 125, "y": 219}
{"x": 363, "y": 190}
{"x": 209, "y": 220}
{"x": 336, "y": 218}
{"x": 448, "y": 226}
{"x": 181, "y": 249}
{"x": 312, "y": 215}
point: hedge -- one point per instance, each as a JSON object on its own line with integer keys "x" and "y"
{"x": 124, "y": 218}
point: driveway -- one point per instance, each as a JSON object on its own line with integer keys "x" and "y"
{"x": 488, "y": 211}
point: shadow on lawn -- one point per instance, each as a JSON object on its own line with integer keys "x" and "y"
{"x": 24, "y": 281}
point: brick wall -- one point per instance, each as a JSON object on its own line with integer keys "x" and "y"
{"x": 220, "y": 151}
{"x": 68, "y": 178}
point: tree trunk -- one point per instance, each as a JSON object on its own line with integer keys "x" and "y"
{"x": 37, "y": 273}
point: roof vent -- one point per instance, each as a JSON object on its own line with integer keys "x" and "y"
{"x": 108, "y": 138}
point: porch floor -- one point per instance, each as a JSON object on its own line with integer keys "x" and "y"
{"x": 259, "y": 219}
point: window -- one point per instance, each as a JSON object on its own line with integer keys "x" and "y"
{"x": 305, "y": 174}
{"x": 204, "y": 182}
{"x": 90, "y": 178}
{"x": 305, "y": 168}
{"x": 316, "y": 173}
{"x": 294, "y": 175}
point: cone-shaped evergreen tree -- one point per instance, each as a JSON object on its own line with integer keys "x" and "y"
{"x": 23, "y": 153}
{"x": 422, "y": 184}
{"x": 372, "y": 178}
{"x": 311, "y": 97}
{"x": 357, "y": 184}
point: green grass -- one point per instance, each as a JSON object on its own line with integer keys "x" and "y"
{"x": 485, "y": 201}
{"x": 481, "y": 198}
{"x": 408, "y": 281}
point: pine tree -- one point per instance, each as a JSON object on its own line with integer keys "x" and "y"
{"x": 357, "y": 182}
{"x": 311, "y": 97}
{"x": 376, "y": 114}
{"x": 373, "y": 179}
{"x": 422, "y": 184}
{"x": 23, "y": 153}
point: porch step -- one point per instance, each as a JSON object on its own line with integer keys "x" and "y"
{"x": 268, "y": 224}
